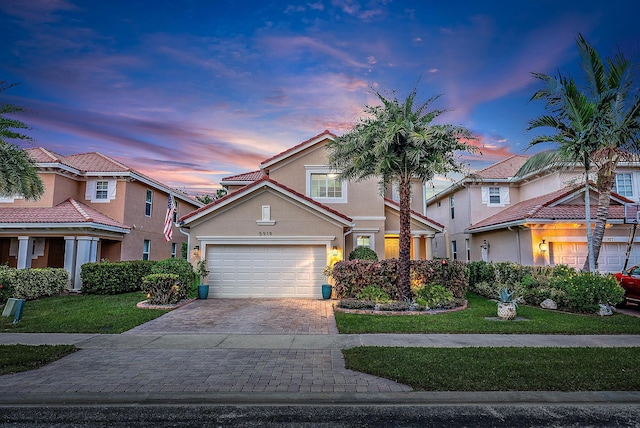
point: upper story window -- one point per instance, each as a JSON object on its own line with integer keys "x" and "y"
{"x": 100, "y": 191}
{"x": 495, "y": 196}
{"x": 624, "y": 184}
{"x": 148, "y": 203}
{"x": 323, "y": 185}
{"x": 452, "y": 206}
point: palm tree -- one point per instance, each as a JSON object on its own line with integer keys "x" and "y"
{"x": 598, "y": 125}
{"x": 397, "y": 142}
{"x": 18, "y": 174}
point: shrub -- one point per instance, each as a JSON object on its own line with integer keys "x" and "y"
{"x": 451, "y": 276}
{"x": 586, "y": 291}
{"x": 374, "y": 294}
{"x": 164, "y": 288}
{"x": 432, "y": 295}
{"x": 114, "y": 277}
{"x": 180, "y": 267}
{"x": 32, "y": 284}
{"x": 363, "y": 253}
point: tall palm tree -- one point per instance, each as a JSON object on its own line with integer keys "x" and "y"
{"x": 595, "y": 126}
{"x": 397, "y": 142}
{"x": 18, "y": 174}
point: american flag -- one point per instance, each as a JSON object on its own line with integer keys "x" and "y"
{"x": 168, "y": 219}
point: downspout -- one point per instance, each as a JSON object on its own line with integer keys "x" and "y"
{"x": 517, "y": 230}
{"x": 344, "y": 240}
{"x": 188, "y": 242}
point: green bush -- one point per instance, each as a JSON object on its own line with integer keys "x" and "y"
{"x": 363, "y": 253}
{"x": 586, "y": 291}
{"x": 180, "y": 267}
{"x": 432, "y": 295}
{"x": 374, "y": 294}
{"x": 452, "y": 275}
{"x": 114, "y": 277}
{"x": 164, "y": 288}
{"x": 32, "y": 284}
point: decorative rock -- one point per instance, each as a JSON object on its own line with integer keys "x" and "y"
{"x": 605, "y": 310}
{"x": 548, "y": 304}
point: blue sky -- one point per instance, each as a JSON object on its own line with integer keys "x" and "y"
{"x": 189, "y": 92}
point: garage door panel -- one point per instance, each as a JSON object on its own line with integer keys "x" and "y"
{"x": 611, "y": 259}
{"x": 266, "y": 270}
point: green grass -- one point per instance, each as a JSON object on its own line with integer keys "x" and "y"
{"x": 473, "y": 320}
{"x": 20, "y": 358}
{"x": 81, "y": 314}
{"x": 502, "y": 369}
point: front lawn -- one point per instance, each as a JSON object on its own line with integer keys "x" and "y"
{"x": 473, "y": 320}
{"x": 20, "y": 358}
{"x": 81, "y": 314}
{"x": 501, "y": 369}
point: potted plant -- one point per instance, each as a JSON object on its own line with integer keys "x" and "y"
{"x": 507, "y": 305}
{"x": 201, "y": 273}
{"x": 327, "y": 288}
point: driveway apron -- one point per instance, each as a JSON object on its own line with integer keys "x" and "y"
{"x": 131, "y": 366}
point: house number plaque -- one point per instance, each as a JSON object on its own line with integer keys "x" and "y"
{"x": 265, "y": 233}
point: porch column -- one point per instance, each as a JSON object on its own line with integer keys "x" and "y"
{"x": 416, "y": 247}
{"x": 70, "y": 259}
{"x": 94, "y": 250}
{"x": 428, "y": 247}
{"x": 83, "y": 256}
{"x": 24, "y": 252}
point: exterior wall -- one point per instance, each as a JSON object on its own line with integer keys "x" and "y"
{"x": 48, "y": 179}
{"x": 549, "y": 183}
{"x": 113, "y": 208}
{"x": 291, "y": 171}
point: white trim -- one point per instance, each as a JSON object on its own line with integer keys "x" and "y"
{"x": 266, "y": 217}
{"x": 266, "y": 240}
{"x": 36, "y": 226}
{"x": 370, "y": 234}
{"x": 368, "y": 218}
{"x": 323, "y": 169}
{"x": 303, "y": 147}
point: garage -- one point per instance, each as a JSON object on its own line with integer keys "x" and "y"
{"x": 611, "y": 259}
{"x": 242, "y": 271}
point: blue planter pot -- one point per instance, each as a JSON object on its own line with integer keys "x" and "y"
{"x": 326, "y": 291}
{"x": 203, "y": 291}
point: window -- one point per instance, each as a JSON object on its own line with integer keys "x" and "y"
{"x": 146, "y": 248}
{"x": 323, "y": 185}
{"x": 175, "y": 210}
{"x": 174, "y": 249}
{"x": 148, "y": 203}
{"x": 454, "y": 250}
{"x": 451, "y": 205}
{"x": 494, "y": 195}
{"x": 624, "y": 185}
{"x": 102, "y": 189}
{"x": 468, "y": 249}
{"x": 363, "y": 241}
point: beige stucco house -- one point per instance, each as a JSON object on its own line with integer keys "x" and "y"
{"x": 534, "y": 220}
{"x": 93, "y": 208}
{"x": 280, "y": 226}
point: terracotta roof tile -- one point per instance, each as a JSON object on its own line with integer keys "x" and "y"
{"x": 503, "y": 169}
{"x": 423, "y": 217}
{"x": 95, "y": 162}
{"x": 296, "y": 147}
{"x": 257, "y": 183}
{"x": 247, "y": 176}
{"x": 69, "y": 211}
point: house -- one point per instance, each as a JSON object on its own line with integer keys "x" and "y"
{"x": 93, "y": 208}
{"x": 281, "y": 225}
{"x": 534, "y": 220}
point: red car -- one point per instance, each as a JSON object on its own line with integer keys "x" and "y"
{"x": 630, "y": 280}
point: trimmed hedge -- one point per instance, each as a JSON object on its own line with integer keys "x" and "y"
{"x": 177, "y": 266}
{"x": 363, "y": 253}
{"x": 351, "y": 277}
{"x": 114, "y": 277}
{"x": 32, "y": 284}
{"x": 164, "y": 288}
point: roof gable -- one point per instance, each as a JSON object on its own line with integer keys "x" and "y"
{"x": 297, "y": 149}
{"x": 416, "y": 216}
{"x": 503, "y": 169}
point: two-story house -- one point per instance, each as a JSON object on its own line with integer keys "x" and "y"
{"x": 280, "y": 226}
{"x": 93, "y": 208}
{"x": 533, "y": 220}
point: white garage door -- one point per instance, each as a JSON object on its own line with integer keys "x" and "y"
{"x": 266, "y": 270}
{"x": 611, "y": 259}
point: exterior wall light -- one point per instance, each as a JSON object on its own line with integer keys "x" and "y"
{"x": 334, "y": 253}
{"x": 544, "y": 247}
{"x": 484, "y": 245}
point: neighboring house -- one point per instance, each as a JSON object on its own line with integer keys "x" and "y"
{"x": 535, "y": 220}
{"x": 281, "y": 225}
{"x": 93, "y": 208}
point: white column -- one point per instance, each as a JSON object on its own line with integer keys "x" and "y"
{"x": 24, "y": 252}
{"x": 94, "y": 250}
{"x": 70, "y": 258}
{"x": 416, "y": 247}
{"x": 428, "y": 247}
{"x": 83, "y": 256}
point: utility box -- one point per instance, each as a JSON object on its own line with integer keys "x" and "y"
{"x": 10, "y": 307}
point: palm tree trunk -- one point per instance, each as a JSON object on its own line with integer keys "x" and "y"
{"x": 404, "y": 259}
{"x": 605, "y": 186}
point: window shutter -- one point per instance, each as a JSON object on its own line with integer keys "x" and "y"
{"x": 112, "y": 189}
{"x": 90, "y": 193}
{"x": 485, "y": 195}
{"x": 504, "y": 195}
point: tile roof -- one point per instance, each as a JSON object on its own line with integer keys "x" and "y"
{"x": 296, "y": 147}
{"x": 257, "y": 183}
{"x": 544, "y": 208}
{"x": 95, "y": 162}
{"x": 503, "y": 169}
{"x": 247, "y": 176}
{"x": 417, "y": 214}
{"x": 42, "y": 155}
{"x": 69, "y": 211}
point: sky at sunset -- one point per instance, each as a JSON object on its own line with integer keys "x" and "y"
{"x": 191, "y": 91}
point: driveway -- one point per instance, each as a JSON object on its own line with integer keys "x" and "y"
{"x": 246, "y": 316}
